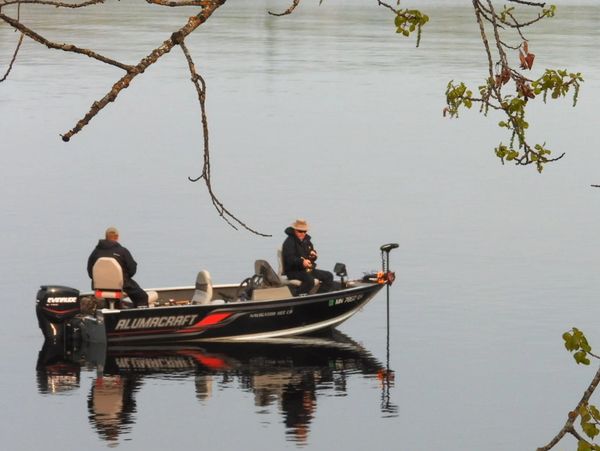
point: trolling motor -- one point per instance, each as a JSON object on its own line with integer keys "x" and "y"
{"x": 386, "y": 276}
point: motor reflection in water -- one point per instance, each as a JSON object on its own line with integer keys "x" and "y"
{"x": 290, "y": 373}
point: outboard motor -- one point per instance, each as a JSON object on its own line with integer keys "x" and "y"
{"x": 55, "y": 306}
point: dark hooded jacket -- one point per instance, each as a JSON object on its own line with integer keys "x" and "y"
{"x": 110, "y": 248}
{"x": 294, "y": 250}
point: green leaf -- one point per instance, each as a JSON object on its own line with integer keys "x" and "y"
{"x": 581, "y": 357}
{"x": 590, "y": 429}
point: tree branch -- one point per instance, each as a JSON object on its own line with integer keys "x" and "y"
{"x": 200, "y": 86}
{"x": 64, "y": 47}
{"x": 287, "y": 11}
{"x": 50, "y": 3}
{"x": 388, "y": 6}
{"x": 523, "y": 2}
{"x": 175, "y": 3}
{"x": 14, "y": 57}
{"x": 175, "y": 39}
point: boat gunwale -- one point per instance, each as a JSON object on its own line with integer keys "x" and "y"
{"x": 247, "y": 304}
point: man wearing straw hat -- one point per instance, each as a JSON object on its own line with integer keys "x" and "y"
{"x": 299, "y": 257}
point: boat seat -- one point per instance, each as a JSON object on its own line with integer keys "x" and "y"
{"x": 291, "y": 282}
{"x": 271, "y": 286}
{"x": 204, "y": 291}
{"x": 107, "y": 280}
{"x": 269, "y": 278}
{"x": 107, "y": 283}
{"x": 152, "y": 298}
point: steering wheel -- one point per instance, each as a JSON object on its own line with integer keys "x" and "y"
{"x": 247, "y": 285}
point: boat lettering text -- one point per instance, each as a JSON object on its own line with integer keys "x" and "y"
{"x": 288, "y": 311}
{"x": 156, "y": 322}
{"x": 154, "y": 363}
{"x": 62, "y": 300}
{"x": 345, "y": 300}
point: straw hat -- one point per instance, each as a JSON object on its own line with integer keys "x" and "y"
{"x": 300, "y": 224}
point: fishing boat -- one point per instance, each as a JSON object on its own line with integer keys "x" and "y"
{"x": 260, "y": 307}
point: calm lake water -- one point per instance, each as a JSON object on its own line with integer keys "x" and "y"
{"x": 329, "y": 115}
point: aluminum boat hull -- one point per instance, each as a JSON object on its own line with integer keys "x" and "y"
{"x": 233, "y": 321}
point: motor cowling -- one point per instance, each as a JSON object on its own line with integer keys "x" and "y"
{"x": 55, "y": 306}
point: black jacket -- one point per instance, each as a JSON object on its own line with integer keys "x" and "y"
{"x": 110, "y": 248}
{"x": 294, "y": 250}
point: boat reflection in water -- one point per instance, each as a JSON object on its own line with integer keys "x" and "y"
{"x": 291, "y": 373}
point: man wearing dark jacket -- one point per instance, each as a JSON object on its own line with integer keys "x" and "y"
{"x": 110, "y": 247}
{"x": 299, "y": 256}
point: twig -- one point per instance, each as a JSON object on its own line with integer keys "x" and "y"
{"x": 65, "y": 47}
{"x": 200, "y": 86}
{"x": 287, "y": 11}
{"x": 175, "y": 3}
{"x": 50, "y": 3}
{"x": 12, "y": 61}
{"x": 523, "y": 2}
{"x": 386, "y": 5}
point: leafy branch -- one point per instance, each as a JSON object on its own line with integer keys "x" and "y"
{"x": 506, "y": 89}
{"x": 407, "y": 21}
{"x": 589, "y": 415}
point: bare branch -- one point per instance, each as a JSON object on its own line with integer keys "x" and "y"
{"x": 12, "y": 61}
{"x": 175, "y": 39}
{"x": 287, "y": 11}
{"x": 174, "y": 3}
{"x": 65, "y": 47}
{"x": 200, "y": 86}
{"x": 523, "y": 2}
{"x": 50, "y": 3}
{"x": 495, "y": 26}
{"x": 386, "y": 5}
{"x": 484, "y": 38}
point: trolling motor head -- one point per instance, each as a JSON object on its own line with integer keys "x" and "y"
{"x": 388, "y": 247}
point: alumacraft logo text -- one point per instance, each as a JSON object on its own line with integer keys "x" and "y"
{"x": 62, "y": 300}
{"x": 155, "y": 322}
